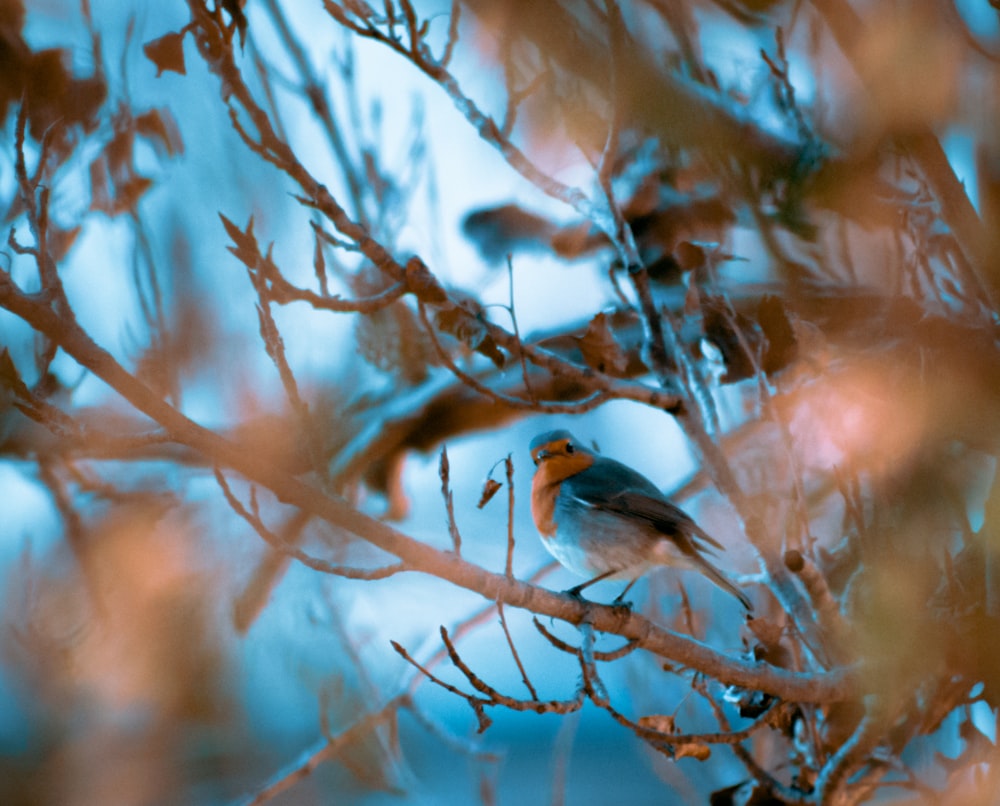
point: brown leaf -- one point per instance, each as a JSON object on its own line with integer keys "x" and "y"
{"x": 600, "y": 349}
{"x": 720, "y": 324}
{"x": 782, "y": 345}
{"x": 114, "y": 187}
{"x": 392, "y": 340}
{"x": 576, "y": 240}
{"x": 498, "y": 231}
{"x": 160, "y": 129}
{"x": 60, "y": 241}
{"x": 167, "y": 53}
{"x": 235, "y": 9}
{"x": 422, "y": 283}
{"x": 661, "y": 723}
{"x": 697, "y": 750}
{"x": 689, "y": 256}
{"x": 246, "y": 249}
{"x": 100, "y": 185}
{"x": 129, "y": 192}
{"x": 490, "y": 487}
{"x": 462, "y": 322}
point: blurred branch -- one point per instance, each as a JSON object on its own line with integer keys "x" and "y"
{"x": 852, "y": 754}
{"x": 956, "y": 208}
{"x": 683, "y": 113}
{"x": 416, "y": 556}
{"x": 449, "y": 502}
{"x": 326, "y": 750}
{"x": 315, "y": 91}
{"x": 253, "y": 518}
{"x": 363, "y": 22}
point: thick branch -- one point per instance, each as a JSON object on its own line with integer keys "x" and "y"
{"x": 824, "y": 687}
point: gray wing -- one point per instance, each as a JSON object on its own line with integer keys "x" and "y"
{"x": 619, "y": 489}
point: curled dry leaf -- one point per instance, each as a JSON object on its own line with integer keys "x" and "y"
{"x": 490, "y": 487}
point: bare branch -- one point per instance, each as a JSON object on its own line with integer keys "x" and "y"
{"x": 449, "y": 503}
{"x": 324, "y": 751}
{"x": 514, "y": 653}
{"x": 286, "y": 548}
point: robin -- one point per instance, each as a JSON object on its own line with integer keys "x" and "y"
{"x": 602, "y": 519}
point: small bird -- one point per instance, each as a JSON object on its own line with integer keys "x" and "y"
{"x": 601, "y": 519}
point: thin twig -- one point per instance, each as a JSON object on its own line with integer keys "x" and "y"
{"x": 449, "y": 502}
{"x": 307, "y": 560}
{"x": 509, "y": 564}
{"x": 449, "y": 48}
{"x": 558, "y": 643}
{"x": 514, "y": 653}
{"x": 496, "y": 698}
{"x": 590, "y": 402}
{"x": 517, "y": 332}
{"x": 812, "y": 687}
{"x": 592, "y": 682}
{"x": 324, "y": 751}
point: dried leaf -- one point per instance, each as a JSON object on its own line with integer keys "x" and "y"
{"x": 129, "y": 192}
{"x": 661, "y": 723}
{"x": 782, "y": 346}
{"x": 498, "y": 231}
{"x": 720, "y": 325}
{"x": 393, "y": 341}
{"x": 601, "y": 350}
{"x": 246, "y": 249}
{"x": 462, "y": 322}
{"x": 423, "y": 284}
{"x": 160, "y": 129}
{"x": 167, "y": 53}
{"x": 490, "y": 488}
{"x": 689, "y": 256}
{"x": 576, "y": 240}
{"x": 235, "y": 9}
{"x": 697, "y": 750}
{"x": 60, "y": 241}
{"x": 665, "y": 270}
{"x": 840, "y": 721}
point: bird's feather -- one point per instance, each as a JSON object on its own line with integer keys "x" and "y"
{"x": 611, "y": 486}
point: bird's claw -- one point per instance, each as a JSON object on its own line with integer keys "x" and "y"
{"x": 621, "y": 604}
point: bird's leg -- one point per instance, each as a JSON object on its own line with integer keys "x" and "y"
{"x": 576, "y": 589}
{"x": 620, "y": 599}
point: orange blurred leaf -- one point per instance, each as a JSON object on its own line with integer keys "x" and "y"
{"x": 167, "y": 53}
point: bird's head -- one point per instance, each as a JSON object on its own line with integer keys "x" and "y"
{"x": 558, "y": 455}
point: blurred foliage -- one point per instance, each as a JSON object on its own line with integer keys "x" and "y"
{"x": 789, "y": 215}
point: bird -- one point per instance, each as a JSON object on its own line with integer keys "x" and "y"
{"x": 601, "y": 519}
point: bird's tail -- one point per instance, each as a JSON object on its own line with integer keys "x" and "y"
{"x": 723, "y": 582}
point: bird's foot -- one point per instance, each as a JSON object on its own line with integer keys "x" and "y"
{"x": 622, "y": 606}
{"x": 576, "y": 592}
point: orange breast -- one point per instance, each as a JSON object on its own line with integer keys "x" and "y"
{"x": 543, "y": 503}
{"x": 545, "y": 488}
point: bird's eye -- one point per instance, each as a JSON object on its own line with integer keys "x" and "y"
{"x": 570, "y": 447}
